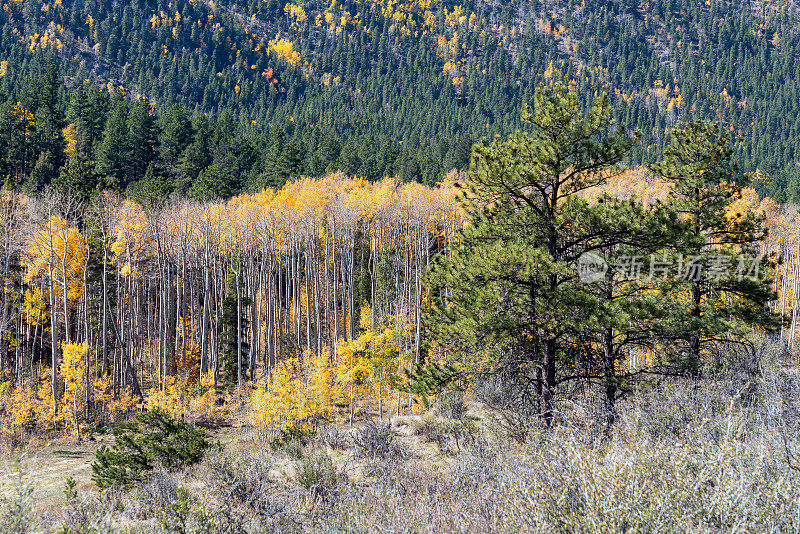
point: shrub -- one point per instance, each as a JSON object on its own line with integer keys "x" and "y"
{"x": 449, "y": 433}
{"x": 155, "y": 491}
{"x": 156, "y": 439}
{"x": 88, "y": 514}
{"x": 515, "y": 408}
{"x": 17, "y": 512}
{"x": 317, "y": 474}
{"x": 291, "y": 434}
{"x": 451, "y": 405}
{"x": 242, "y": 482}
{"x": 373, "y": 442}
{"x": 332, "y": 436}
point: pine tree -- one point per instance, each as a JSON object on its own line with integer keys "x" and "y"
{"x": 724, "y": 278}
{"x": 113, "y": 149}
{"x": 142, "y": 141}
{"x": 234, "y": 325}
{"x": 80, "y": 177}
{"x": 154, "y": 440}
{"x": 508, "y": 294}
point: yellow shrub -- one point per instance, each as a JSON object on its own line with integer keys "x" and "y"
{"x": 196, "y": 403}
{"x": 73, "y": 370}
{"x": 115, "y": 406}
{"x": 298, "y": 393}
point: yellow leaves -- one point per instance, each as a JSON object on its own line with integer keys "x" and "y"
{"x": 58, "y": 251}
{"x": 636, "y": 182}
{"x": 73, "y": 371}
{"x": 296, "y": 12}
{"x": 196, "y": 403}
{"x": 738, "y": 209}
{"x": 321, "y": 390}
{"x": 47, "y": 39}
{"x": 34, "y": 306}
{"x": 373, "y": 360}
{"x": 70, "y": 137}
{"x": 3, "y": 68}
{"x": 284, "y": 50}
{"x": 132, "y": 240}
{"x": 297, "y": 392}
{"x": 188, "y": 361}
{"x": 117, "y": 405}
{"x": 726, "y": 98}
{"x": 548, "y": 73}
{"x": 22, "y": 406}
{"x": 73, "y": 364}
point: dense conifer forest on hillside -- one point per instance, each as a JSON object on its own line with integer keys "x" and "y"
{"x": 264, "y": 91}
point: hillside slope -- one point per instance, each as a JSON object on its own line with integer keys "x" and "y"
{"x": 423, "y": 79}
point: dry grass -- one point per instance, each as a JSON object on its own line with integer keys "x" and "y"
{"x": 49, "y": 466}
{"x": 718, "y": 456}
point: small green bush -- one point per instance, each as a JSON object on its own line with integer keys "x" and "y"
{"x": 317, "y": 474}
{"x": 156, "y": 439}
{"x": 292, "y": 440}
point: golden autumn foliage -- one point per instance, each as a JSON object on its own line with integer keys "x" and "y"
{"x": 57, "y": 251}
{"x": 109, "y": 406}
{"x": 312, "y": 220}
{"x": 192, "y": 402}
{"x": 370, "y": 365}
{"x": 73, "y": 371}
{"x": 307, "y": 233}
{"x": 70, "y": 138}
{"x": 20, "y": 408}
{"x": 299, "y": 392}
{"x": 131, "y": 238}
{"x": 284, "y": 50}
{"x": 34, "y": 307}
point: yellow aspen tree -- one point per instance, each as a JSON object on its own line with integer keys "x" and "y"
{"x": 73, "y": 369}
{"x": 21, "y": 405}
{"x": 369, "y": 363}
{"x": 277, "y": 404}
{"x": 57, "y": 252}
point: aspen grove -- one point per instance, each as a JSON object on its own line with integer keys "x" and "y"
{"x": 275, "y": 309}
{"x": 109, "y": 306}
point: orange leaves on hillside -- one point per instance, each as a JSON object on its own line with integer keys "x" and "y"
{"x": 284, "y": 50}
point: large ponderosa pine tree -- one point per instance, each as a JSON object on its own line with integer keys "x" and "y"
{"x": 508, "y": 296}
{"x": 724, "y": 288}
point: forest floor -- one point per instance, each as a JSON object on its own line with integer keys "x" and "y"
{"x": 47, "y": 465}
{"x": 709, "y": 456}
